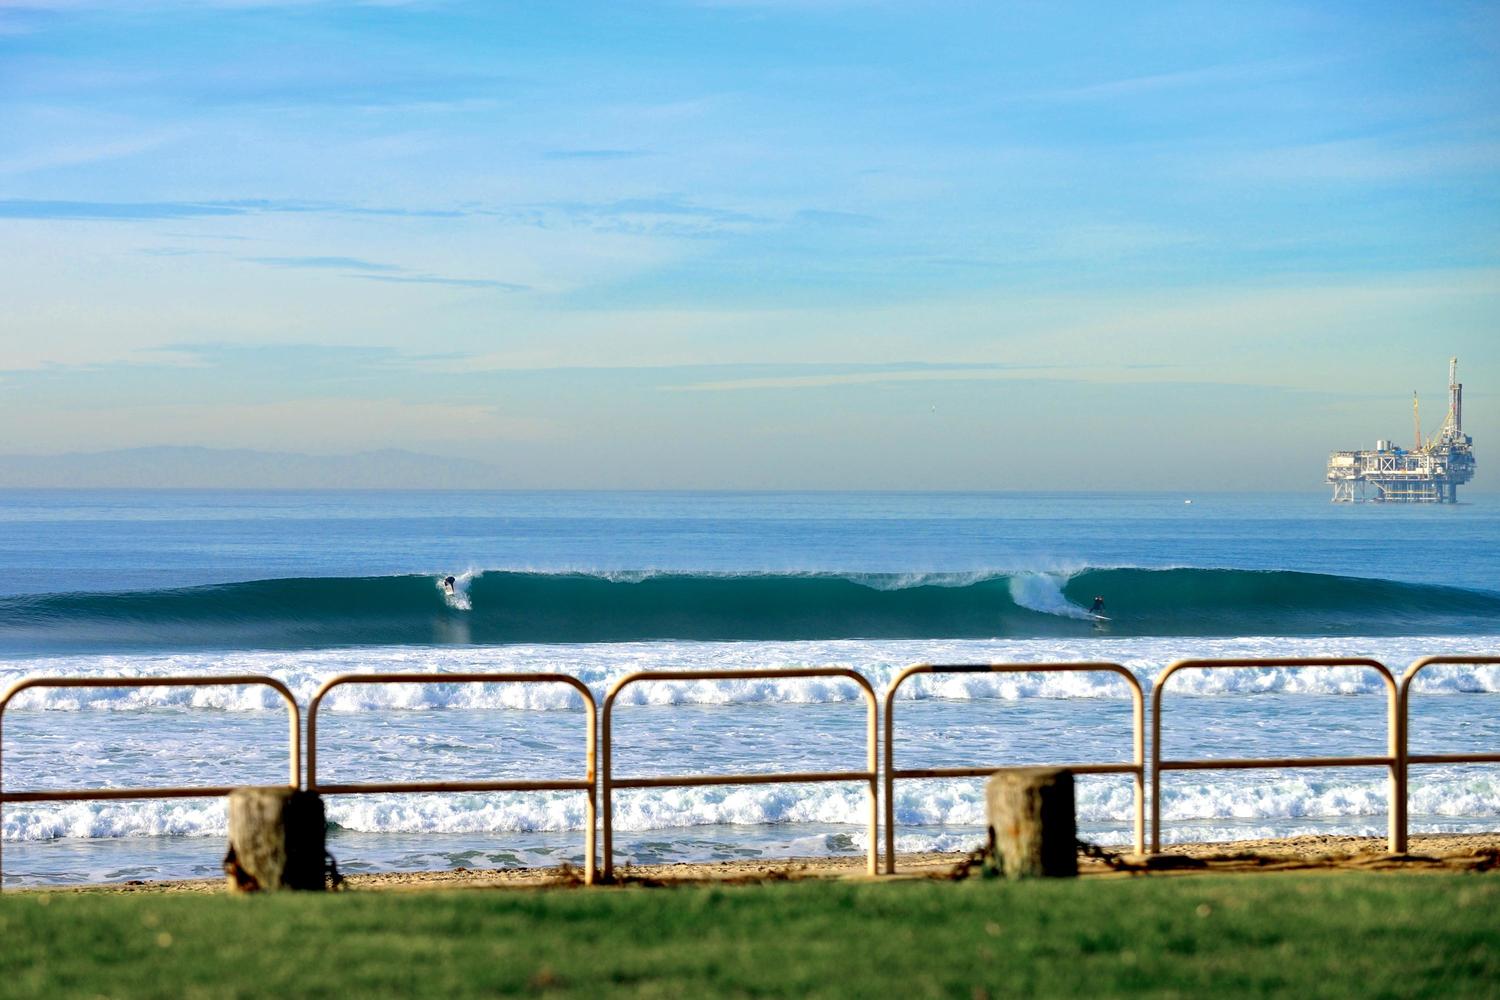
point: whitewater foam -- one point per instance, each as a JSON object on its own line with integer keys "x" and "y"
{"x": 599, "y": 666}
{"x": 1043, "y": 592}
{"x": 1273, "y": 804}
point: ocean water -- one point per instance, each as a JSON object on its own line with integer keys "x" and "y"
{"x": 305, "y": 586}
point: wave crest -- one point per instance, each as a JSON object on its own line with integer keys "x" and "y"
{"x": 496, "y": 607}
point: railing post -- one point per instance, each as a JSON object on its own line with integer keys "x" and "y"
{"x": 1156, "y": 690}
{"x": 3, "y": 702}
{"x": 606, "y": 763}
{"x": 1396, "y": 839}
{"x": 1138, "y": 777}
{"x": 591, "y": 744}
{"x": 872, "y": 759}
{"x": 890, "y": 781}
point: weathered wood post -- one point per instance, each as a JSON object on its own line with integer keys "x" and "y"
{"x": 275, "y": 840}
{"x": 1033, "y": 831}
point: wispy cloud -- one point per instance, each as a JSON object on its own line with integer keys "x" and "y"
{"x": 657, "y": 216}
{"x": 826, "y": 217}
{"x": 77, "y": 154}
{"x": 369, "y": 270}
{"x": 1366, "y": 160}
{"x": 135, "y": 211}
{"x": 432, "y": 279}
{"x": 64, "y": 6}
{"x": 865, "y": 375}
{"x": 177, "y": 252}
{"x": 114, "y": 211}
{"x": 595, "y": 154}
{"x": 324, "y": 263}
{"x": 1148, "y": 83}
{"x": 210, "y": 236}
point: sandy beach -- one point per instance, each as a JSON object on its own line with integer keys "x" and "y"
{"x": 1471, "y": 852}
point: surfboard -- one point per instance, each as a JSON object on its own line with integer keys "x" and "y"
{"x": 1100, "y": 618}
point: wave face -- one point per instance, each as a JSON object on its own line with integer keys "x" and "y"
{"x": 498, "y": 607}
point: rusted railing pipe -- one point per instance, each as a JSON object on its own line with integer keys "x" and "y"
{"x": 1392, "y": 761}
{"x": 610, "y": 782}
{"x": 294, "y": 738}
{"x": 586, "y": 784}
{"x": 1407, "y": 757}
{"x": 1136, "y": 767}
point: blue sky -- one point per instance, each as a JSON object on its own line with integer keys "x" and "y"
{"x": 752, "y": 244}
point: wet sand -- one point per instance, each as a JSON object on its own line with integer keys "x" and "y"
{"x": 1471, "y": 852}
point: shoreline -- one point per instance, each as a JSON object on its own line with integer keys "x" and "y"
{"x": 1455, "y": 852}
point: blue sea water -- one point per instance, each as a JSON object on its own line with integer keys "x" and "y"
{"x": 303, "y": 586}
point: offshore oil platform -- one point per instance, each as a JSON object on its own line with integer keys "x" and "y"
{"x": 1430, "y": 472}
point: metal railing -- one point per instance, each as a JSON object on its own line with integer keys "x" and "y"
{"x": 610, "y": 782}
{"x": 1391, "y": 760}
{"x": 294, "y": 742}
{"x": 586, "y": 784}
{"x": 1136, "y": 767}
{"x": 1399, "y": 827}
{"x": 599, "y": 739}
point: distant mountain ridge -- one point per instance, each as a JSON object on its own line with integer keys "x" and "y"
{"x": 242, "y": 468}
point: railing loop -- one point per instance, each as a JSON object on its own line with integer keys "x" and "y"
{"x": 1391, "y": 761}
{"x": 1135, "y": 767}
{"x": 1407, "y": 757}
{"x": 586, "y": 784}
{"x": 294, "y": 740}
{"x": 870, "y": 776}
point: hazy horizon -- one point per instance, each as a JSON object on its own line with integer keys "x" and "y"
{"x": 212, "y": 469}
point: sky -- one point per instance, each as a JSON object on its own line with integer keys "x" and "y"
{"x": 753, "y": 244}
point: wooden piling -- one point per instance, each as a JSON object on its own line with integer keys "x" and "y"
{"x": 276, "y": 840}
{"x": 1033, "y": 830}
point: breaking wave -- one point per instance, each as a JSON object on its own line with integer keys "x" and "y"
{"x": 499, "y": 607}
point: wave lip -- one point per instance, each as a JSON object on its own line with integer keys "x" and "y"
{"x": 501, "y": 606}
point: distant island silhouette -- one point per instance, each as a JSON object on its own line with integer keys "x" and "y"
{"x": 170, "y": 467}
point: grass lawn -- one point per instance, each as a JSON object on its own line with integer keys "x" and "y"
{"x": 1353, "y": 934}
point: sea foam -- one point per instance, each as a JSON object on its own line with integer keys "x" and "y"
{"x": 599, "y": 666}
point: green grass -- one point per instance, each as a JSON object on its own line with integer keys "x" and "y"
{"x": 1364, "y": 935}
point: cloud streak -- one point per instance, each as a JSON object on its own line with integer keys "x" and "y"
{"x": 594, "y": 154}
{"x": 862, "y": 375}
{"x": 137, "y": 211}
{"x": 432, "y": 279}
{"x": 323, "y": 263}
{"x": 115, "y": 211}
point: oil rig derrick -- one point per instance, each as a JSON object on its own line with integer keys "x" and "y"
{"x": 1430, "y": 472}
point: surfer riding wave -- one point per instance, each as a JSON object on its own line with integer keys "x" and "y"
{"x": 455, "y": 591}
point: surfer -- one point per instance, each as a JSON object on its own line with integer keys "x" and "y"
{"x": 448, "y": 585}
{"x": 1098, "y": 607}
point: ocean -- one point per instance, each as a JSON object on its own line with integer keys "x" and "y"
{"x": 306, "y": 586}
